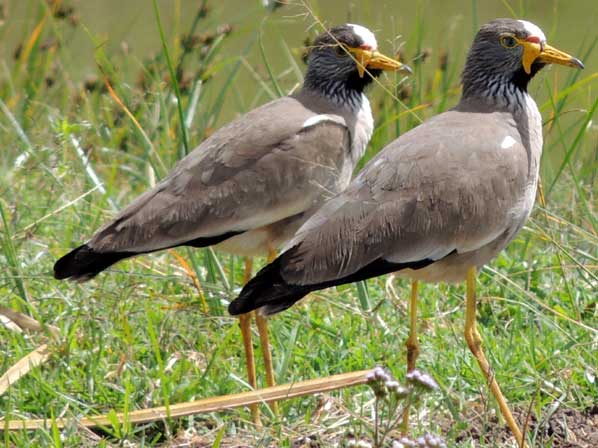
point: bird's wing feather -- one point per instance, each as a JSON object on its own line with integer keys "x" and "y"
{"x": 257, "y": 170}
{"x": 421, "y": 198}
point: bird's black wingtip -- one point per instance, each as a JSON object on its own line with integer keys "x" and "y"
{"x": 83, "y": 263}
{"x": 268, "y": 291}
{"x": 235, "y": 307}
{"x": 249, "y": 297}
{"x": 66, "y": 266}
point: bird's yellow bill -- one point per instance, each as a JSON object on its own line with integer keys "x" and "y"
{"x": 533, "y": 51}
{"x": 367, "y": 59}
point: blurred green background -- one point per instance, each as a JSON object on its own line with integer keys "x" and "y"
{"x": 433, "y": 29}
{"x": 447, "y": 24}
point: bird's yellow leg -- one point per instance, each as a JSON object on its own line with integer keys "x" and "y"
{"x": 262, "y": 328}
{"x": 245, "y": 323}
{"x": 412, "y": 344}
{"x": 474, "y": 341}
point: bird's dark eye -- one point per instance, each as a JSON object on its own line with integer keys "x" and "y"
{"x": 508, "y": 41}
{"x": 340, "y": 50}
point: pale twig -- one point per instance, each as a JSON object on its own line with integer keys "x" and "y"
{"x": 538, "y": 301}
{"x": 408, "y": 110}
{"x": 26, "y": 322}
{"x": 19, "y": 130}
{"x": 90, "y": 171}
{"x": 23, "y": 366}
{"x": 215, "y": 404}
{"x": 58, "y": 210}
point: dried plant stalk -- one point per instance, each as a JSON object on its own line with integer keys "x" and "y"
{"x": 25, "y": 322}
{"x": 280, "y": 392}
{"x": 23, "y": 366}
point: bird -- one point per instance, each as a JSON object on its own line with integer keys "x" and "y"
{"x": 437, "y": 203}
{"x": 247, "y": 188}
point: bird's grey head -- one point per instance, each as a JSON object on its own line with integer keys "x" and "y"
{"x": 343, "y": 60}
{"x": 505, "y": 56}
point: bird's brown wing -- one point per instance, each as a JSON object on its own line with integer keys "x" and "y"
{"x": 259, "y": 169}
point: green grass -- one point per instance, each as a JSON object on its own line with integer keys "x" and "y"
{"x": 137, "y": 336}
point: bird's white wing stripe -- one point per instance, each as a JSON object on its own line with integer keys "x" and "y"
{"x": 312, "y": 121}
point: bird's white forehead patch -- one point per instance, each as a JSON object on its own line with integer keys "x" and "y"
{"x": 533, "y": 30}
{"x": 366, "y": 35}
{"x": 507, "y": 142}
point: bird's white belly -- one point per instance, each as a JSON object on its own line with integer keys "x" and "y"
{"x": 263, "y": 240}
{"x": 361, "y": 130}
{"x": 453, "y": 268}
{"x": 253, "y": 243}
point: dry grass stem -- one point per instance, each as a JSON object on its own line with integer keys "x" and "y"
{"x": 214, "y": 404}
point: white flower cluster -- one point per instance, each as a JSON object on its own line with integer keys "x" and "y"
{"x": 395, "y": 388}
{"x": 427, "y": 441}
{"x": 384, "y": 383}
{"x": 420, "y": 379}
{"x": 359, "y": 444}
{"x": 378, "y": 374}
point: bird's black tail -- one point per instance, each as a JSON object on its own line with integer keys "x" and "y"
{"x": 268, "y": 291}
{"x": 83, "y": 263}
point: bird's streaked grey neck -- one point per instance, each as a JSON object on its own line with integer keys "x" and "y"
{"x": 495, "y": 89}
{"x": 505, "y": 92}
{"x": 340, "y": 92}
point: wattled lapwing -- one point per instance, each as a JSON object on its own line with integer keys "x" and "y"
{"x": 440, "y": 201}
{"x": 249, "y": 187}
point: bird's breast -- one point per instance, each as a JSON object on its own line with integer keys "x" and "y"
{"x": 361, "y": 126}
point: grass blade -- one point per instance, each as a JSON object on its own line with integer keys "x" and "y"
{"x": 573, "y": 146}
{"x": 173, "y": 80}
{"x": 268, "y": 67}
{"x": 10, "y": 253}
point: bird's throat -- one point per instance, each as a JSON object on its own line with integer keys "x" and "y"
{"x": 498, "y": 91}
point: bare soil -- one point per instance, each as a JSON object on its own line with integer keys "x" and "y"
{"x": 564, "y": 428}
